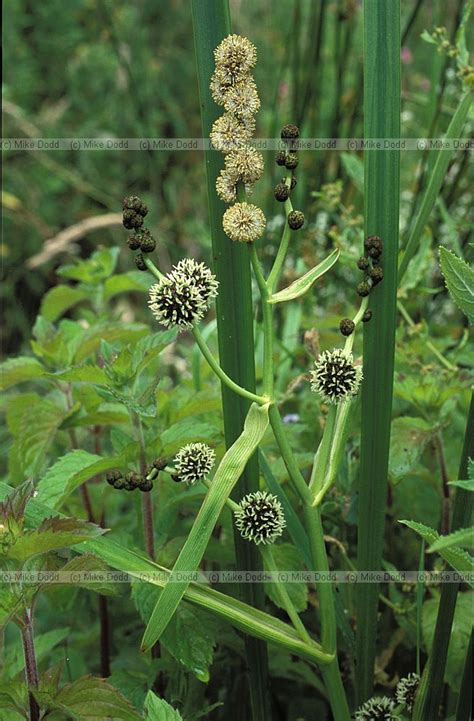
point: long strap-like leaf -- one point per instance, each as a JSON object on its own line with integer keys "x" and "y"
{"x": 230, "y": 469}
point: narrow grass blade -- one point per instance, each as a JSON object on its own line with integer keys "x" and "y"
{"x": 464, "y": 705}
{"x": 211, "y": 23}
{"x": 434, "y": 186}
{"x": 230, "y": 469}
{"x": 431, "y": 688}
{"x": 244, "y": 617}
{"x": 381, "y": 201}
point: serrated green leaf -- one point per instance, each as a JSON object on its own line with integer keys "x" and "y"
{"x": 157, "y": 709}
{"x": 459, "y": 277}
{"x": 59, "y": 299}
{"x": 95, "y": 269}
{"x": 301, "y": 286}
{"x": 13, "y": 697}
{"x": 53, "y": 534}
{"x": 93, "y": 567}
{"x": 184, "y": 432}
{"x": 458, "y": 559}
{"x": 226, "y": 476}
{"x": 466, "y": 485}
{"x": 462, "y": 538}
{"x": 37, "y": 428}
{"x": 19, "y": 370}
{"x": 93, "y": 698}
{"x": 112, "y": 333}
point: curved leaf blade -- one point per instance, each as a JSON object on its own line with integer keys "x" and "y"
{"x": 301, "y": 286}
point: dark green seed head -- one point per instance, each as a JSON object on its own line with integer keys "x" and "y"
{"x": 280, "y": 157}
{"x": 282, "y": 192}
{"x": 159, "y": 463}
{"x": 148, "y": 244}
{"x": 346, "y": 326}
{"x": 363, "y": 289}
{"x": 119, "y": 484}
{"x": 133, "y": 241}
{"x": 132, "y": 219}
{"x": 363, "y": 263}
{"x": 133, "y": 202}
{"x": 295, "y": 219}
{"x": 139, "y": 262}
{"x": 367, "y": 316}
{"x": 291, "y": 161}
{"x": 146, "y": 486}
{"x": 113, "y": 476}
{"x": 376, "y": 274}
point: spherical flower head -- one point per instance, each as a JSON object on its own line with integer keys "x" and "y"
{"x": 197, "y": 274}
{"x": 245, "y": 165}
{"x": 235, "y": 57}
{"x": 406, "y": 690}
{"x": 230, "y": 133}
{"x": 194, "y": 462}
{"x": 219, "y": 86}
{"x": 174, "y": 301}
{"x": 335, "y": 377}
{"x": 244, "y": 222}
{"x": 226, "y": 187}
{"x": 378, "y": 708}
{"x": 260, "y": 518}
{"x": 242, "y": 98}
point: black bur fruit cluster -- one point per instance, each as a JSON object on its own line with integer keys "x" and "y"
{"x": 128, "y": 482}
{"x": 289, "y": 159}
{"x": 370, "y": 265}
{"x": 134, "y": 212}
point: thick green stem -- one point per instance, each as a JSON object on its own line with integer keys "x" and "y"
{"x": 381, "y": 206}
{"x": 234, "y": 313}
{"x": 289, "y": 460}
{"x": 267, "y": 312}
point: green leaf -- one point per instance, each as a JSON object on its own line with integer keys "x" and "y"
{"x": 462, "y": 538}
{"x": 13, "y": 696}
{"x": 110, "y": 332}
{"x": 287, "y": 558}
{"x": 190, "y": 636}
{"x": 125, "y": 283}
{"x": 354, "y": 168}
{"x": 69, "y": 472}
{"x": 53, "y": 534}
{"x": 419, "y": 264}
{"x": 459, "y": 638}
{"x": 227, "y": 475}
{"x": 408, "y": 439}
{"x": 301, "y": 286}
{"x": 466, "y": 485}
{"x": 93, "y": 698}
{"x": 156, "y": 709}
{"x": 19, "y": 370}
{"x": 95, "y": 269}
{"x": 459, "y": 279}
{"x": 90, "y": 565}
{"x": 81, "y": 374}
{"x": 428, "y": 38}
{"x": 44, "y": 643}
{"x": 461, "y": 561}
{"x": 59, "y": 299}
{"x": 37, "y": 426}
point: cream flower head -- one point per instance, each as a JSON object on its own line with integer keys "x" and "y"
{"x": 244, "y": 222}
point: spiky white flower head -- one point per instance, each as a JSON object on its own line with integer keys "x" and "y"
{"x": 242, "y": 98}
{"x": 197, "y": 274}
{"x": 244, "y": 222}
{"x": 260, "y": 517}
{"x": 229, "y": 132}
{"x": 194, "y": 462}
{"x": 245, "y": 165}
{"x": 226, "y": 187}
{"x": 176, "y": 301}
{"x": 406, "y": 690}
{"x": 377, "y": 708}
{"x": 335, "y": 377}
{"x": 235, "y": 57}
